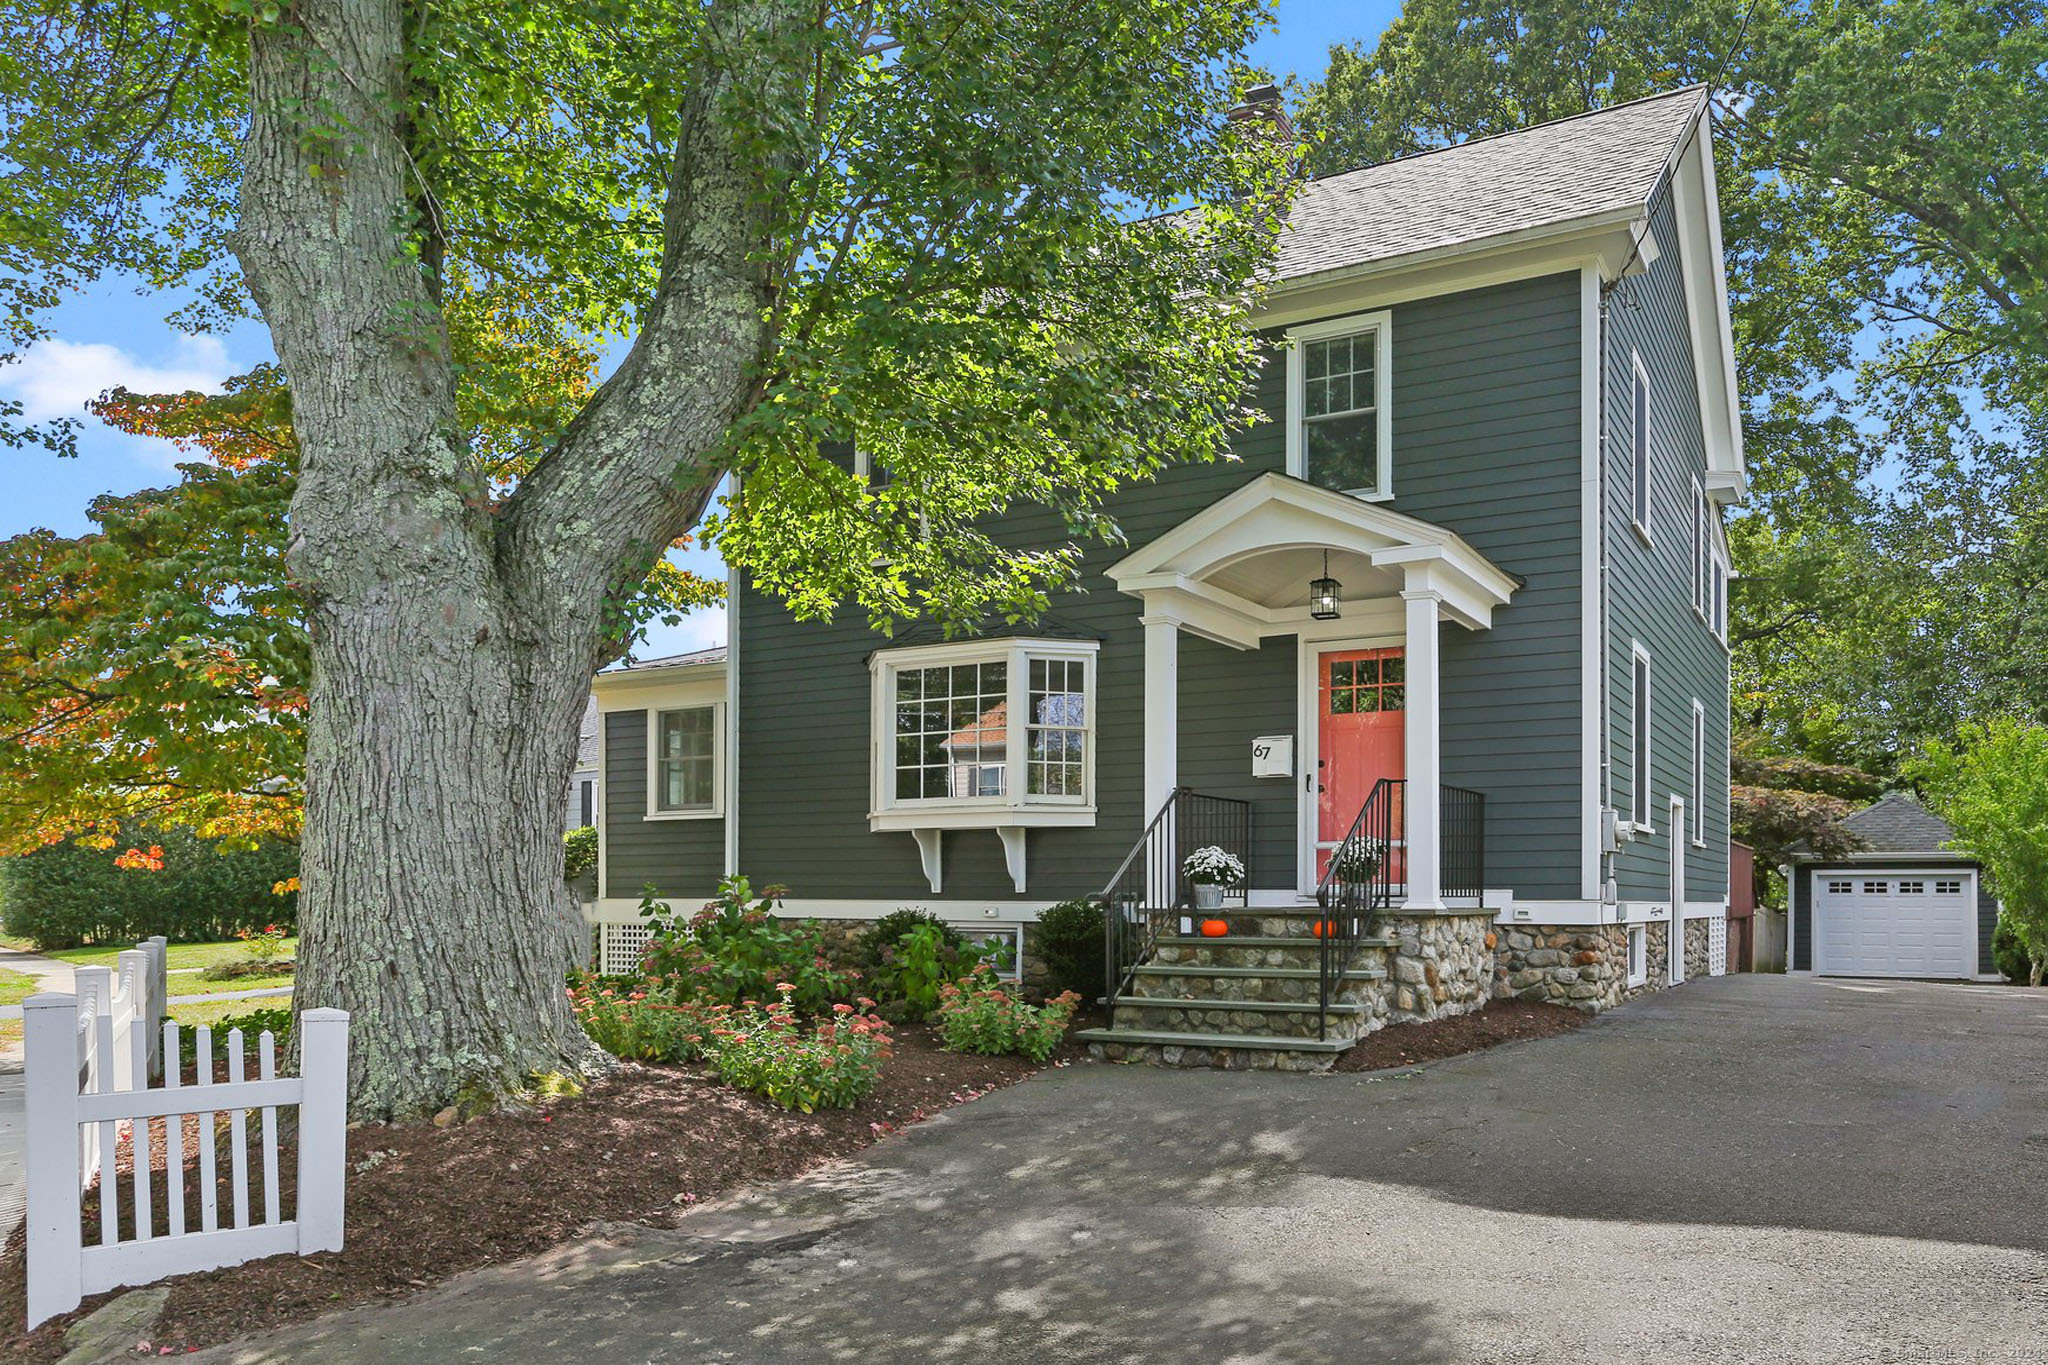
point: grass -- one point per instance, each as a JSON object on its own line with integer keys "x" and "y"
{"x": 10, "y": 1033}
{"x": 199, "y": 985}
{"x": 211, "y": 1012}
{"x": 15, "y": 987}
{"x": 179, "y": 954}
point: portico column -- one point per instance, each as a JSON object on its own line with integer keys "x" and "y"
{"x": 1162, "y": 710}
{"x": 1425, "y": 771}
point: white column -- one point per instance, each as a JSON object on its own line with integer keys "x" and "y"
{"x": 1425, "y": 772}
{"x": 1162, "y": 711}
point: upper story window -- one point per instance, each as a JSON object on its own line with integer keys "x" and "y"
{"x": 1639, "y": 722}
{"x": 1702, "y": 542}
{"x": 1003, "y": 728}
{"x": 1699, "y": 774}
{"x": 682, "y": 762}
{"x": 1639, "y": 444}
{"x": 1340, "y": 405}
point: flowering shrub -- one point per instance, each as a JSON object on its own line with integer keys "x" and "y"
{"x": 982, "y": 1015}
{"x": 1213, "y": 866}
{"x": 621, "y": 1018}
{"x": 832, "y": 1066}
{"x": 265, "y": 945}
{"x": 735, "y": 950}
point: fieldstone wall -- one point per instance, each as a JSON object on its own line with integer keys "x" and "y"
{"x": 1656, "y": 954}
{"x": 1584, "y": 967}
{"x": 1439, "y": 965}
{"x": 1697, "y": 959}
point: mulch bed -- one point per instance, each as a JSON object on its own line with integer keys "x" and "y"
{"x": 1502, "y": 1021}
{"x": 642, "y": 1145}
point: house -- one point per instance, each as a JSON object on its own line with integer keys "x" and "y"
{"x": 1441, "y": 655}
{"x": 1904, "y": 904}
{"x": 580, "y": 811}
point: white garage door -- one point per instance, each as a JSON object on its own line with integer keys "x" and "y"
{"x": 1894, "y": 923}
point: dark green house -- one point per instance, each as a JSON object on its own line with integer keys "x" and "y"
{"x": 1440, "y": 658}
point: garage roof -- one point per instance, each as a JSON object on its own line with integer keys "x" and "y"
{"x": 1899, "y": 824}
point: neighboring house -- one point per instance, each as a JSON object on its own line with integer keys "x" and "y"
{"x": 1905, "y": 904}
{"x": 1460, "y": 600}
{"x": 581, "y": 809}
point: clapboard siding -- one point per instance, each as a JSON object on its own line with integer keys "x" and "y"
{"x": 679, "y": 858}
{"x": 1486, "y": 442}
{"x": 1652, "y": 588}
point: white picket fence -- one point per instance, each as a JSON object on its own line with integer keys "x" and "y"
{"x": 89, "y": 1060}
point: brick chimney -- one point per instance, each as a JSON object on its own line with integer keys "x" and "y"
{"x": 1264, "y": 102}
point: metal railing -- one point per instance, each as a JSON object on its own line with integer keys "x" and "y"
{"x": 1150, "y": 892}
{"x": 1463, "y": 860}
{"x": 1357, "y": 883}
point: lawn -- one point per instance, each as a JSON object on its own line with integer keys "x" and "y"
{"x": 180, "y": 955}
{"x": 192, "y": 983}
{"x": 211, "y": 1012}
{"x": 15, "y": 987}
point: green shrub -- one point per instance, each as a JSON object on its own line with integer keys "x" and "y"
{"x": 622, "y": 1019}
{"x": 579, "y": 853}
{"x": 1069, "y": 939}
{"x": 2008, "y": 954}
{"x": 65, "y": 895}
{"x": 834, "y": 1065}
{"x": 985, "y": 1016}
{"x": 888, "y": 931}
{"x": 276, "y": 1019}
{"x": 735, "y": 952}
{"x": 907, "y": 981}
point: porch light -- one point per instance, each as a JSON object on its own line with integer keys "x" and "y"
{"x": 1325, "y": 599}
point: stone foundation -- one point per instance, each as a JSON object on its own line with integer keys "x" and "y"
{"x": 1697, "y": 959}
{"x": 1438, "y": 966}
{"x": 1585, "y": 967}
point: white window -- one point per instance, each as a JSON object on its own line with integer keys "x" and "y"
{"x": 1720, "y": 589}
{"x": 1948, "y": 888}
{"x": 1639, "y": 444}
{"x": 1702, "y": 550}
{"x": 682, "y": 763}
{"x": 1004, "y": 727}
{"x": 1340, "y": 405}
{"x": 1876, "y": 888}
{"x": 1639, "y": 721}
{"x": 1638, "y": 955}
{"x": 1912, "y": 888}
{"x": 1699, "y": 773}
{"x": 1841, "y": 888}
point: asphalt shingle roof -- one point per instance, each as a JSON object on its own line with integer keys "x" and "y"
{"x": 1536, "y": 177}
{"x": 713, "y": 655}
{"x": 1899, "y": 824}
{"x": 586, "y": 737}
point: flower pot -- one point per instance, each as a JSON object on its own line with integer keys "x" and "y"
{"x": 1208, "y": 896}
{"x": 1215, "y": 928}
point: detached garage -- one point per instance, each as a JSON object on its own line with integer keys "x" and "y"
{"x": 1901, "y": 906}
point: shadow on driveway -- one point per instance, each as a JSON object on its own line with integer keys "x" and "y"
{"x": 1750, "y": 1168}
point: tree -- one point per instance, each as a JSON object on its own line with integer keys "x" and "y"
{"x": 1992, "y": 788}
{"x": 1884, "y": 214}
{"x": 158, "y": 666}
{"x": 917, "y": 225}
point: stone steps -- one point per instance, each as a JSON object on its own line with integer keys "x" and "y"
{"x": 1273, "y": 1019}
{"x": 1189, "y": 980}
{"x": 1226, "y": 1051}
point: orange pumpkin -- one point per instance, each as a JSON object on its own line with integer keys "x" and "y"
{"x": 1322, "y": 927}
{"x": 1215, "y": 928}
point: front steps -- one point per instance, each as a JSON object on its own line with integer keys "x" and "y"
{"x": 1247, "y": 1000}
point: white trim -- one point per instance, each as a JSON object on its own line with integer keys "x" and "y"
{"x": 650, "y": 807}
{"x": 1162, "y": 710}
{"x": 1701, "y": 575}
{"x": 732, "y": 722}
{"x": 603, "y": 743}
{"x": 1699, "y": 772}
{"x": 1675, "y": 935}
{"x": 1637, "y": 942}
{"x": 1422, "y": 760}
{"x": 1642, "y": 762}
{"x": 1642, "y": 485}
{"x": 1703, "y": 276}
{"x": 1592, "y": 585}
{"x": 1380, "y": 326}
{"x": 1308, "y": 723}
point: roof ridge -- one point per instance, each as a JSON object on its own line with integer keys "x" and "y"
{"x": 1696, "y": 86}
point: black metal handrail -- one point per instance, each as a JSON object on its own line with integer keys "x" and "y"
{"x": 1357, "y": 883}
{"x": 1463, "y": 860}
{"x": 1150, "y": 891}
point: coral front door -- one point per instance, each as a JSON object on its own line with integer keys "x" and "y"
{"x": 1361, "y": 737}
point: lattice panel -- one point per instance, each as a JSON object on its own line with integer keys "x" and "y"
{"x": 1717, "y": 946}
{"x": 619, "y": 947}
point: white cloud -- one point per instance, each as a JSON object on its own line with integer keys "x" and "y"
{"x": 56, "y": 378}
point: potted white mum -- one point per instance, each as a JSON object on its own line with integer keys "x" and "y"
{"x": 1211, "y": 869}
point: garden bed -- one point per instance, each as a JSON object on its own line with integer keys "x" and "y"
{"x": 642, "y": 1145}
{"x": 1501, "y": 1021}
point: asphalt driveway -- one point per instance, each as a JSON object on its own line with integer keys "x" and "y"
{"x": 1750, "y": 1168}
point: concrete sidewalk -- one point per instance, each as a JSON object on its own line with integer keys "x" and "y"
{"x": 51, "y": 975}
{"x": 1746, "y": 1169}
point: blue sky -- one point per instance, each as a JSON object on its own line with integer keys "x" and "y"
{"x": 117, "y": 336}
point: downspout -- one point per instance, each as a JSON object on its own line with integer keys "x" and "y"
{"x": 1606, "y": 649}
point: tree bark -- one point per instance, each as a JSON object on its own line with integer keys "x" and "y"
{"x": 453, "y": 641}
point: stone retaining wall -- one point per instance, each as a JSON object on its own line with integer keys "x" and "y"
{"x": 1697, "y": 959}
{"x": 1439, "y": 965}
{"x": 1585, "y": 967}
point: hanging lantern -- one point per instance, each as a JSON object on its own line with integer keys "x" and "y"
{"x": 1325, "y": 598}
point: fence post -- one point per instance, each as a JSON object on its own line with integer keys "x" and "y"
{"x": 134, "y": 969}
{"x": 158, "y": 948}
{"x": 50, "y": 1095}
{"x": 323, "y": 1128}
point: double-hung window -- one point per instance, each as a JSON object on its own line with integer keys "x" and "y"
{"x": 1639, "y": 445}
{"x": 1699, "y": 773}
{"x": 1003, "y": 729}
{"x": 1339, "y": 405}
{"x": 1702, "y": 553}
{"x": 682, "y": 762}
{"x": 1639, "y": 722}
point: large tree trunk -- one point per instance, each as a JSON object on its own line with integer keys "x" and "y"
{"x": 453, "y": 641}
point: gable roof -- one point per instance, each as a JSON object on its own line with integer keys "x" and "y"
{"x": 1605, "y": 162}
{"x": 713, "y": 655}
{"x": 1899, "y": 824}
